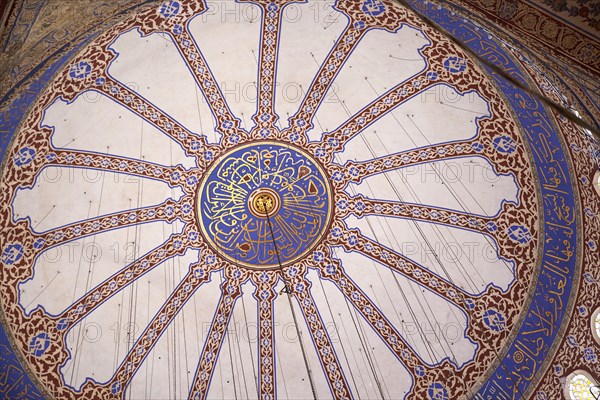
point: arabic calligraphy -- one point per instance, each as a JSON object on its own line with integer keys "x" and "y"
{"x": 264, "y": 203}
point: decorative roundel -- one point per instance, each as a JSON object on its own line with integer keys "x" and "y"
{"x": 331, "y": 202}
{"x": 264, "y": 204}
{"x": 437, "y": 392}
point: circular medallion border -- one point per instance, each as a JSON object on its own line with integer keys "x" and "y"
{"x": 288, "y": 176}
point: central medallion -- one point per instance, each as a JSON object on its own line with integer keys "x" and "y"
{"x": 264, "y": 203}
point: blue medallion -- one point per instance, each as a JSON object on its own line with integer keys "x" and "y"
{"x": 263, "y": 205}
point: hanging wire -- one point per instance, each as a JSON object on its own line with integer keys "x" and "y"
{"x": 570, "y": 115}
{"x": 596, "y": 389}
{"x": 289, "y": 296}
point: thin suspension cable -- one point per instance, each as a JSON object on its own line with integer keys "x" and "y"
{"x": 147, "y": 363}
{"x": 470, "y": 313}
{"x": 436, "y": 228}
{"x": 289, "y": 296}
{"x": 447, "y": 185}
{"x": 338, "y": 334}
{"x": 428, "y": 346}
{"x": 430, "y": 248}
{"x": 167, "y": 331}
{"x": 361, "y": 334}
{"x": 373, "y": 348}
{"x": 360, "y": 375}
{"x": 446, "y": 273}
{"x": 357, "y": 331}
{"x": 454, "y": 195}
{"x": 532, "y": 92}
{"x": 250, "y": 346}
{"x": 229, "y": 346}
{"x": 279, "y": 363}
{"x": 241, "y": 360}
{"x": 173, "y": 325}
{"x": 137, "y": 240}
{"x": 450, "y": 189}
{"x": 314, "y": 214}
{"x": 460, "y": 293}
{"x": 89, "y": 280}
{"x": 345, "y": 107}
{"x": 424, "y": 338}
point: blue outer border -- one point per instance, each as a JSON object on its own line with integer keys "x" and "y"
{"x": 15, "y": 383}
{"x": 555, "y": 281}
{"x": 548, "y": 308}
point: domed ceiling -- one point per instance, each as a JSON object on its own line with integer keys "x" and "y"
{"x": 294, "y": 199}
